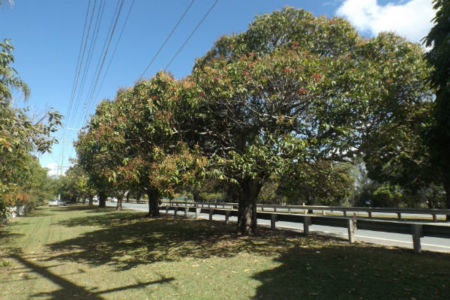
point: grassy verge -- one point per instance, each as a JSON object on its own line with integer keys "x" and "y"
{"x": 70, "y": 253}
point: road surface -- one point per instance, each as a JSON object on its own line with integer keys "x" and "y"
{"x": 376, "y": 237}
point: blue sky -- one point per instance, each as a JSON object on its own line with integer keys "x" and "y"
{"x": 47, "y": 35}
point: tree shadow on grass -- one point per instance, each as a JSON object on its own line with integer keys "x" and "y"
{"x": 37, "y": 212}
{"x": 309, "y": 267}
{"x": 355, "y": 272}
{"x": 68, "y": 289}
{"x": 102, "y": 218}
{"x": 6, "y": 235}
{"x": 75, "y": 207}
{"x": 127, "y": 240}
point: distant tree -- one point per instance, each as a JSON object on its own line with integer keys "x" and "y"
{"x": 100, "y": 151}
{"x": 322, "y": 182}
{"x": 438, "y": 138}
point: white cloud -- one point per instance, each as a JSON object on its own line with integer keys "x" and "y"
{"x": 411, "y": 19}
{"x": 52, "y": 169}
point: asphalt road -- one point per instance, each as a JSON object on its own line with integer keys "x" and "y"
{"x": 376, "y": 237}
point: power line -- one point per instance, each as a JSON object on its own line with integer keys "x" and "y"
{"x": 116, "y": 46}
{"x": 190, "y": 36}
{"x": 105, "y": 53}
{"x": 92, "y": 44}
{"x": 81, "y": 54}
{"x": 167, "y": 38}
{"x": 80, "y": 59}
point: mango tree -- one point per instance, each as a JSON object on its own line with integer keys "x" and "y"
{"x": 296, "y": 89}
{"x": 152, "y": 128}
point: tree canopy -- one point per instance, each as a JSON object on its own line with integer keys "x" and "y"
{"x": 438, "y": 137}
{"x": 295, "y": 98}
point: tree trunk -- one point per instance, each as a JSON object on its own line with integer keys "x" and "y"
{"x": 91, "y": 200}
{"x": 249, "y": 190}
{"x": 102, "y": 199}
{"x": 447, "y": 194}
{"x": 153, "y": 202}
{"x": 196, "y": 196}
{"x": 138, "y": 198}
{"x": 128, "y": 197}
{"x": 119, "y": 202}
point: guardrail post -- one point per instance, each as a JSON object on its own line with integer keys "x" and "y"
{"x": 434, "y": 218}
{"x": 351, "y": 230}
{"x": 370, "y": 214}
{"x": 227, "y": 216}
{"x": 306, "y": 223}
{"x": 197, "y": 212}
{"x": 211, "y": 212}
{"x": 275, "y": 209}
{"x": 186, "y": 211}
{"x": 273, "y": 220}
{"x": 416, "y": 234}
{"x": 323, "y": 212}
{"x": 167, "y": 209}
{"x": 289, "y": 209}
{"x": 345, "y": 213}
{"x": 262, "y": 207}
{"x": 399, "y": 215}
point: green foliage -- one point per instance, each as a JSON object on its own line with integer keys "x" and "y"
{"x": 438, "y": 137}
{"x": 136, "y": 140}
{"x": 295, "y": 91}
{"x": 322, "y": 182}
{"x": 21, "y": 177}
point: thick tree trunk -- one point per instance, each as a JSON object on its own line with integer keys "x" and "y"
{"x": 249, "y": 191}
{"x": 119, "y": 202}
{"x": 153, "y": 202}
{"x": 102, "y": 200}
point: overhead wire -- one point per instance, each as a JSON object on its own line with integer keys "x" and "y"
{"x": 81, "y": 53}
{"x": 180, "y": 19}
{"x": 190, "y": 35}
{"x": 116, "y": 46}
{"x": 106, "y": 47}
{"x": 90, "y": 53}
{"x": 80, "y": 59}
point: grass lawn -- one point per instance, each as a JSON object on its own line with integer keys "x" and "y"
{"x": 80, "y": 253}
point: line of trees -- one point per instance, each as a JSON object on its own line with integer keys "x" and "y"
{"x": 22, "y": 179}
{"x": 295, "y": 101}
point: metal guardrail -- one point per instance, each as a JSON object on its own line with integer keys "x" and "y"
{"x": 365, "y": 212}
{"x": 416, "y": 229}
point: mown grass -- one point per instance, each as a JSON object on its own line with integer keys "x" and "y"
{"x": 79, "y": 253}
